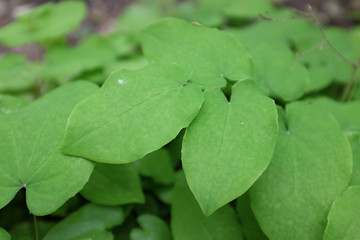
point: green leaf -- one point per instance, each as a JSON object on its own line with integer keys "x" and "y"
{"x": 154, "y": 229}
{"x": 134, "y": 113}
{"x": 229, "y": 144}
{"x": 30, "y": 151}
{"x": 250, "y": 225}
{"x": 4, "y": 235}
{"x": 209, "y": 62}
{"x": 11, "y": 104}
{"x": 136, "y": 17}
{"x": 189, "y": 223}
{"x": 113, "y": 185}
{"x": 43, "y": 23}
{"x": 348, "y": 116}
{"x": 283, "y": 76}
{"x": 64, "y": 63}
{"x": 157, "y": 165}
{"x": 16, "y": 74}
{"x": 247, "y": 9}
{"x": 87, "y": 219}
{"x": 311, "y": 167}
{"x": 344, "y": 216}
{"x": 355, "y": 146}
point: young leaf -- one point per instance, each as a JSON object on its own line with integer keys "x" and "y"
{"x": 30, "y": 153}
{"x": 113, "y": 185}
{"x": 311, "y": 167}
{"x": 154, "y": 229}
{"x": 344, "y": 216}
{"x": 45, "y": 22}
{"x": 157, "y": 165}
{"x": 87, "y": 219}
{"x": 229, "y": 144}
{"x": 208, "y": 54}
{"x": 134, "y": 113}
{"x": 250, "y": 225}
{"x": 4, "y": 235}
{"x": 189, "y": 223}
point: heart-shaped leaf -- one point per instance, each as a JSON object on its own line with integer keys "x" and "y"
{"x": 134, "y": 113}
{"x": 157, "y": 165}
{"x": 111, "y": 184}
{"x": 344, "y": 216}
{"x": 88, "y": 219}
{"x": 229, "y": 144}
{"x": 154, "y": 229}
{"x": 311, "y": 167}
{"x": 30, "y": 151}
{"x": 208, "y": 54}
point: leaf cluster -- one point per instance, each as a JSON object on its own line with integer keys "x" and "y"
{"x": 192, "y": 120}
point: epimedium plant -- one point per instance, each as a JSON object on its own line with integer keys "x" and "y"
{"x": 209, "y": 134}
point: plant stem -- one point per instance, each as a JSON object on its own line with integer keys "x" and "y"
{"x": 350, "y": 86}
{"x": 36, "y": 228}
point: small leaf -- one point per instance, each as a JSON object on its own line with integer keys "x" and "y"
{"x": 86, "y": 220}
{"x": 134, "y": 113}
{"x": 4, "y": 235}
{"x": 189, "y": 223}
{"x": 229, "y": 144}
{"x": 113, "y": 185}
{"x": 311, "y": 167}
{"x": 344, "y": 216}
{"x": 43, "y": 23}
{"x": 208, "y": 54}
{"x": 30, "y": 154}
{"x": 154, "y": 229}
{"x": 157, "y": 165}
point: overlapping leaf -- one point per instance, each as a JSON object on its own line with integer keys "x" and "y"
{"x": 30, "y": 151}
{"x": 311, "y": 167}
{"x": 189, "y": 223}
{"x": 87, "y": 222}
{"x": 154, "y": 229}
{"x": 344, "y": 216}
{"x": 157, "y": 165}
{"x": 251, "y": 228}
{"x": 229, "y": 144}
{"x": 113, "y": 185}
{"x": 134, "y": 113}
{"x": 208, "y": 54}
